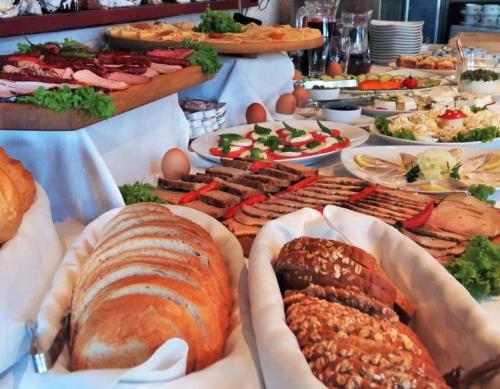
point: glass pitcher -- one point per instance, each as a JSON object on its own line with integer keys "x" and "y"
{"x": 357, "y": 28}
{"x": 319, "y": 14}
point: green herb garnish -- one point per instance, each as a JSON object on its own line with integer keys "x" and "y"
{"x": 476, "y": 109}
{"x": 62, "y": 99}
{"x": 478, "y": 134}
{"x": 412, "y": 174}
{"x": 290, "y": 149}
{"x": 403, "y": 133}
{"x": 454, "y": 172}
{"x": 480, "y": 75}
{"x": 139, "y": 193}
{"x": 478, "y": 268}
{"x": 272, "y": 141}
{"x": 324, "y": 128}
{"x": 256, "y": 154}
{"x": 217, "y": 21}
{"x": 313, "y": 144}
{"x": 70, "y": 43}
{"x": 24, "y": 48}
{"x": 261, "y": 130}
{"x": 482, "y": 192}
{"x": 231, "y": 136}
{"x": 204, "y": 55}
{"x": 382, "y": 125}
{"x": 294, "y": 132}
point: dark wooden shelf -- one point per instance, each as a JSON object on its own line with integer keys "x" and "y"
{"x": 25, "y": 25}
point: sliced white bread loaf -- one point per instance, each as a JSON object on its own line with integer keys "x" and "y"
{"x": 153, "y": 276}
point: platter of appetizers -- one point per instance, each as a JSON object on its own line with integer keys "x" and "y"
{"x": 444, "y": 65}
{"x": 437, "y": 169}
{"x": 445, "y": 126}
{"x": 305, "y": 141}
{"x": 391, "y": 104}
{"x": 217, "y": 29}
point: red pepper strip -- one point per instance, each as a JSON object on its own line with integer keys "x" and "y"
{"x": 230, "y": 212}
{"x": 419, "y": 219}
{"x": 319, "y": 209}
{"x": 194, "y": 195}
{"x": 362, "y": 194}
{"x": 257, "y": 165}
{"x": 302, "y": 184}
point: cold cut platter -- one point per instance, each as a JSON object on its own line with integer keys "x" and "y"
{"x": 69, "y": 86}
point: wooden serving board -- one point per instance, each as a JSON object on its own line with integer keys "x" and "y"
{"x": 222, "y": 47}
{"x": 18, "y": 116}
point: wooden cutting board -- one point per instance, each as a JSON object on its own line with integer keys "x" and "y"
{"x": 118, "y": 43}
{"x": 17, "y": 116}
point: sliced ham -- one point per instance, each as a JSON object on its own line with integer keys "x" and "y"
{"x": 164, "y": 68}
{"x": 66, "y": 73}
{"x": 465, "y": 215}
{"x": 28, "y": 87}
{"x": 150, "y": 73}
{"x": 5, "y": 92}
{"x": 131, "y": 79}
{"x": 171, "y": 53}
{"x": 88, "y": 78}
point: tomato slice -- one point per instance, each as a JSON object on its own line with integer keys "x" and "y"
{"x": 232, "y": 154}
{"x": 215, "y": 35}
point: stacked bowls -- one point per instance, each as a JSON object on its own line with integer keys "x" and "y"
{"x": 390, "y": 39}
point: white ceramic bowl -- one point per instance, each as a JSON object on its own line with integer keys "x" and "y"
{"x": 324, "y": 94}
{"x": 332, "y": 113}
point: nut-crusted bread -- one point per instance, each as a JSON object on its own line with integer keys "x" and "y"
{"x": 304, "y": 261}
{"x": 152, "y": 276}
{"x": 17, "y": 193}
{"x": 348, "y": 348}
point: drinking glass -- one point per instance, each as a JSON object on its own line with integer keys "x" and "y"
{"x": 340, "y": 49}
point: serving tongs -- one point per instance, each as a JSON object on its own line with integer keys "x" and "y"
{"x": 43, "y": 361}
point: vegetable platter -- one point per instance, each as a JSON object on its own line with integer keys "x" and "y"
{"x": 304, "y": 141}
{"x": 437, "y": 169}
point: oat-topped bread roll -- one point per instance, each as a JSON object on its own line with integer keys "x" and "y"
{"x": 304, "y": 261}
{"x": 347, "y": 348}
{"x": 152, "y": 276}
{"x": 17, "y": 193}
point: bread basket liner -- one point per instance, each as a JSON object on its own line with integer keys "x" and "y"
{"x": 28, "y": 262}
{"x": 165, "y": 368}
{"x": 451, "y": 324}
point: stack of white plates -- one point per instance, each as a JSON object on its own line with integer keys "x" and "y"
{"x": 390, "y": 39}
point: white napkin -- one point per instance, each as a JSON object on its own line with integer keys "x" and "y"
{"x": 448, "y": 320}
{"x": 27, "y": 263}
{"x": 166, "y": 368}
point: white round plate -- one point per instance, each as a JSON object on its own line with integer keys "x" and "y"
{"x": 392, "y": 23}
{"x": 391, "y": 153}
{"x": 367, "y": 92}
{"x": 370, "y": 110}
{"x": 202, "y": 145}
{"x": 392, "y": 139}
{"x": 433, "y": 71}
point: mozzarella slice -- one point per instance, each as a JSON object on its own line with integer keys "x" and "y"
{"x": 288, "y": 153}
{"x": 331, "y": 140}
{"x": 297, "y": 139}
{"x": 260, "y": 146}
{"x": 242, "y": 142}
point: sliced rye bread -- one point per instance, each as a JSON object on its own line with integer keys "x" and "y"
{"x": 242, "y": 191}
{"x": 170, "y": 196}
{"x": 208, "y": 209}
{"x": 220, "y": 199}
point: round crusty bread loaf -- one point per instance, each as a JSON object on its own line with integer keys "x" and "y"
{"x": 152, "y": 276}
{"x": 10, "y": 208}
{"x": 21, "y": 178}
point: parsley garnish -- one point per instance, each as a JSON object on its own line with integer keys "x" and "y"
{"x": 273, "y": 142}
{"x": 454, "y": 171}
{"x": 294, "y": 132}
{"x": 324, "y": 128}
{"x": 482, "y": 192}
{"x": 413, "y": 173}
{"x": 476, "y": 109}
{"x": 256, "y": 154}
{"x": 382, "y": 125}
{"x": 478, "y": 268}
{"x": 403, "y": 133}
{"x": 290, "y": 149}
{"x": 138, "y": 193}
{"x": 62, "y": 99}
{"x": 217, "y": 21}
{"x": 204, "y": 55}
{"x": 478, "y": 134}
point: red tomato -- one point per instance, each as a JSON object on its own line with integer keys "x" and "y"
{"x": 410, "y": 83}
{"x": 232, "y": 154}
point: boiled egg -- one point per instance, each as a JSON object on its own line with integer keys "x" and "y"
{"x": 286, "y": 104}
{"x": 256, "y": 113}
{"x": 301, "y": 95}
{"x": 174, "y": 164}
{"x": 334, "y": 69}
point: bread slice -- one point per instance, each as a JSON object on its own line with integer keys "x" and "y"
{"x": 21, "y": 179}
{"x": 10, "y": 208}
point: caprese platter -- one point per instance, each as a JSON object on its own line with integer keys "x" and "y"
{"x": 304, "y": 141}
